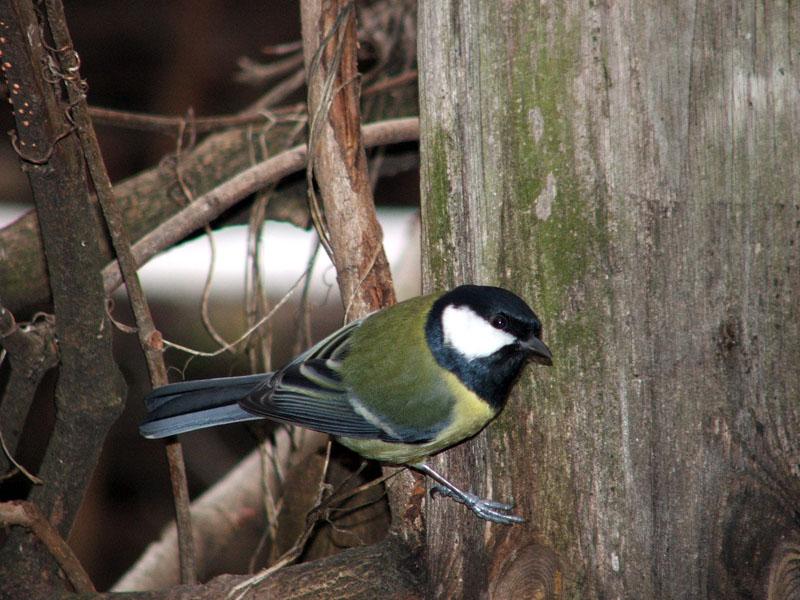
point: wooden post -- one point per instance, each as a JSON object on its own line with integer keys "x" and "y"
{"x": 631, "y": 169}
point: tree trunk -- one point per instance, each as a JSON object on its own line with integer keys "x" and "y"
{"x": 631, "y": 169}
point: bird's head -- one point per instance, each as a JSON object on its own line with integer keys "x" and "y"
{"x": 480, "y": 321}
{"x": 485, "y": 335}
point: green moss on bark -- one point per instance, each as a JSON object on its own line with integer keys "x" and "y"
{"x": 438, "y": 232}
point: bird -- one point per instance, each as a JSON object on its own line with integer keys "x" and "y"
{"x": 396, "y": 386}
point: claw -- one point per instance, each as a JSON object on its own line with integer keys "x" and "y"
{"x": 482, "y": 507}
{"x": 470, "y": 499}
{"x": 490, "y": 510}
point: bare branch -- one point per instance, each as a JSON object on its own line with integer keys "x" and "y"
{"x": 149, "y": 337}
{"x": 387, "y": 569}
{"x": 212, "y": 204}
{"x": 147, "y": 198}
{"x": 256, "y": 114}
{"x": 335, "y": 138}
{"x": 340, "y": 167}
{"x": 28, "y": 515}
{"x": 88, "y": 398}
{"x": 256, "y": 73}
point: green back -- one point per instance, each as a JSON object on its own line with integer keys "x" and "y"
{"x": 399, "y": 383}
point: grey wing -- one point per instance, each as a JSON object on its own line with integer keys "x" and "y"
{"x": 311, "y": 394}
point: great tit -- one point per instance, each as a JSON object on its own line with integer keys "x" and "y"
{"x": 396, "y": 386}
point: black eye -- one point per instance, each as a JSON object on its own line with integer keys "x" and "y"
{"x": 499, "y": 322}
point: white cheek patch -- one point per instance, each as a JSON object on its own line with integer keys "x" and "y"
{"x": 470, "y": 335}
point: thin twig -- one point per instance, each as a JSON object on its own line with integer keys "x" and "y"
{"x": 205, "y": 317}
{"x": 254, "y": 72}
{"x": 228, "y": 345}
{"x": 256, "y": 303}
{"x": 259, "y": 347}
{"x": 271, "y": 503}
{"x": 256, "y": 300}
{"x": 282, "y": 49}
{"x": 188, "y": 196}
{"x": 170, "y": 125}
{"x": 303, "y": 337}
{"x": 292, "y": 554}
{"x": 18, "y": 467}
{"x": 252, "y": 115}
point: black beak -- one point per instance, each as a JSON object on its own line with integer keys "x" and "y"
{"x": 539, "y": 352}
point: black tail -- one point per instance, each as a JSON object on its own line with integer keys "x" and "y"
{"x": 189, "y": 405}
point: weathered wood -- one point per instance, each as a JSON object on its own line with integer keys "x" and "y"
{"x": 631, "y": 169}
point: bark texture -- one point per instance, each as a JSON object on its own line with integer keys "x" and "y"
{"x": 387, "y": 569}
{"x": 88, "y": 392}
{"x": 630, "y": 169}
{"x": 351, "y": 233}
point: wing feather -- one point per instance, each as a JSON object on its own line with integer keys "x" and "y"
{"x": 310, "y": 392}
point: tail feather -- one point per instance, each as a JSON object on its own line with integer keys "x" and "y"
{"x": 190, "y": 405}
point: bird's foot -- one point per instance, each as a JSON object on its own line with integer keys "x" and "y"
{"x": 490, "y": 510}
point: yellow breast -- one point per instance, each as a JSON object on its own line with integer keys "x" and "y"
{"x": 469, "y": 415}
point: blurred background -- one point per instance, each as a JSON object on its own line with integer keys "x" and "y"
{"x": 169, "y": 58}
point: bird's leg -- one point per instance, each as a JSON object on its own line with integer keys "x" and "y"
{"x": 484, "y": 508}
